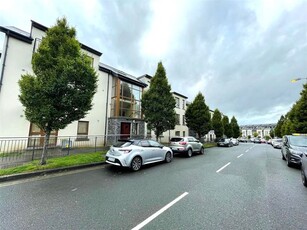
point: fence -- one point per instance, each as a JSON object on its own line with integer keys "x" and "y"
{"x": 17, "y": 150}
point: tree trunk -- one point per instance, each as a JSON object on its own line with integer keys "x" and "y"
{"x": 44, "y": 154}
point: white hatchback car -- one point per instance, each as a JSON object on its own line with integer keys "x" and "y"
{"x": 135, "y": 153}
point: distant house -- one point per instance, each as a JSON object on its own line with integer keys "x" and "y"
{"x": 262, "y": 130}
{"x": 116, "y": 111}
{"x": 181, "y": 128}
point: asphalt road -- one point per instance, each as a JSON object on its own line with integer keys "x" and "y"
{"x": 244, "y": 187}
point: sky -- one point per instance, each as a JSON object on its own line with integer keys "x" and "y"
{"x": 240, "y": 54}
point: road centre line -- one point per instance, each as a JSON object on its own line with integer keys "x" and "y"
{"x": 223, "y": 167}
{"x": 141, "y": 225}
{"x": 240, "y": 155}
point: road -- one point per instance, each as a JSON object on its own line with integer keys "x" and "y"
{"x": 244, "y": 187}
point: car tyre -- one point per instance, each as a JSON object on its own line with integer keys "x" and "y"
{"x": 189, "y": 153}
{"x": 283, "y": 157}
{"x": 168, "y": 157}
{"x": 304, "y": 179}
{"x": 136, "y": 164}
{"x": 289, "y": 164}
{"x": 202, "y": 151}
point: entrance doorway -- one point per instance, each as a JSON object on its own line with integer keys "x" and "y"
{"x": 125, "y": 130}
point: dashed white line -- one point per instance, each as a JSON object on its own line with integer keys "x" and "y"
{"x": 240, "y": 156}
{"x": 223, "y": 167}
{"x": 141, "y": 225}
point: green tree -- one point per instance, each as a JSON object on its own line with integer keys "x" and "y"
{"x": 298, "y": 113}
{"x": 217, "y": 124}
{"x": 158, "y": 104}
{"x": 63, "y": 85}
{"x": 198, "y": 116}
{"x": 255, "y": 134}
{"x": 235, "y": 127}
{"x": 227, "y": 127}
{"x": 278, "y": 127}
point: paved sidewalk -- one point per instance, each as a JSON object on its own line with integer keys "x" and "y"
{"x": 45, "y": 172}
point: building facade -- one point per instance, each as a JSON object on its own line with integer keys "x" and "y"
{"x": 116, "y": 111}
{"x": 262, "y": 130}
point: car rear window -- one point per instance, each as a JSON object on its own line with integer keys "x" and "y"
{"x": 176, "y": 139}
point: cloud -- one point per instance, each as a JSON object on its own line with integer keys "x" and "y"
{"x": 240, "y": 54}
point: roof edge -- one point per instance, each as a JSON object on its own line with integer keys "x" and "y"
{"x": 11, "y": 33}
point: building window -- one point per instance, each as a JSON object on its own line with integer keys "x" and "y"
{"x": 183, "y": 133}
{"x": 183, "y": 119}
{"x": 183, "y": 104}
{"x": 82, "y": 132}
{"x": 177, "y": 133}
{"x": 126, "y": 99}
{"x": 91, "y": 59}
{"x": 37, "y": 137}
{"x": 177, "y": 102}
{"x": 37, "y": 43}
{"x": 177, "y": 119}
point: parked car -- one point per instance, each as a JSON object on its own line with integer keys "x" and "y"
{"x": 257, "y": 140}
{"x": 243, "y": 139}
{"x": 277, "y": 143}
{"x": 187, "y": 145}
{"x": 304, "y": 169}
{"x": 234, "y": 141}
{"x": 136, "y": 153}
{"x": 224, "y": 142}
{"x": 293, "y": 148}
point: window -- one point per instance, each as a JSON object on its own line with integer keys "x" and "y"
{"x": 37, "y": 43}
{"x": 91, "y": 59}
{"x": 37, "y": 137}
{"x": 183, "y": 104}
{"x": 82, "y": 129}
{"x": 177, "y": 102}
{"x": 183, "y": 119}
{"x": 126, "y": 99}
{"x": 177, "y": 133}
{"x": 183, "y": 133}
{"x": 177, "y": 119}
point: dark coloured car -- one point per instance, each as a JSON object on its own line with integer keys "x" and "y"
{"x": 188, "y": 145}
{"x": 304, "y": 169}
{"x": 293, "y": 148}
{"x": 224, "y": 142}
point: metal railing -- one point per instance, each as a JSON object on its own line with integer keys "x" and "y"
{"x": 17, "y": 150}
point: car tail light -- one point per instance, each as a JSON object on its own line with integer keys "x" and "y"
{"x": 125, "y": 150}
{"x": 182, "y": 143}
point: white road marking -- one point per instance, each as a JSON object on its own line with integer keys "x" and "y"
{"x": 240, "y": 156}
{"x": 246, "y": 150}
{"x": 223, "y": 167}
{"x": 141, "y": 225}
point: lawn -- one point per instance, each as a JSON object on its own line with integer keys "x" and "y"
{"x": 72, "y": 160}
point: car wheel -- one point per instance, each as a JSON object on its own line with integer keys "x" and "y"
{"x": 289, "y": 164}
{"x": 304, "y": 179}
{"x": 283, "y": 157}
{"x": 189, "y": 153}
{"x": 136, "y": 163}
{"x": 202, "y": 151}
{"x": 168, "y": 157}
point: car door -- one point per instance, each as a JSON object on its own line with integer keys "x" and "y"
{"x": 194, "y": 144}
{"x": 157, "y": 151}
{"x": 146, "y": 151}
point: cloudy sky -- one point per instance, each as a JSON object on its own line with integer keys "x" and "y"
{"x": 240, "y": 54}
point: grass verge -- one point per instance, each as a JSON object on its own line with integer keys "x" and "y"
{"x": 52, "y": 163}
{"x": 210, "y": 144}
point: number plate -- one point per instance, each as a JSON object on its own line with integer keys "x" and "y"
{"x": 111, "y": 159}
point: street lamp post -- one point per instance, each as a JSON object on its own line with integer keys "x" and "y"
{"x": 298, "y": 79}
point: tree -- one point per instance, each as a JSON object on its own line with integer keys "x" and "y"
{"x": 198, "y": 116}
{"x": 227, "y": 127}
{"x": 278, "y": 127}
{"x": 158, "y": 103}
{"x": 63, "y": 85}
{"x": 235, "y": 127}
{"x": 217, "y": 124}
{"x": 298, "y": 113}
{"x": 255, "y": 134}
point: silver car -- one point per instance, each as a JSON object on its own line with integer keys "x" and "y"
{"x": 135, "y": 153}
{"x": 188, "y": 145}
